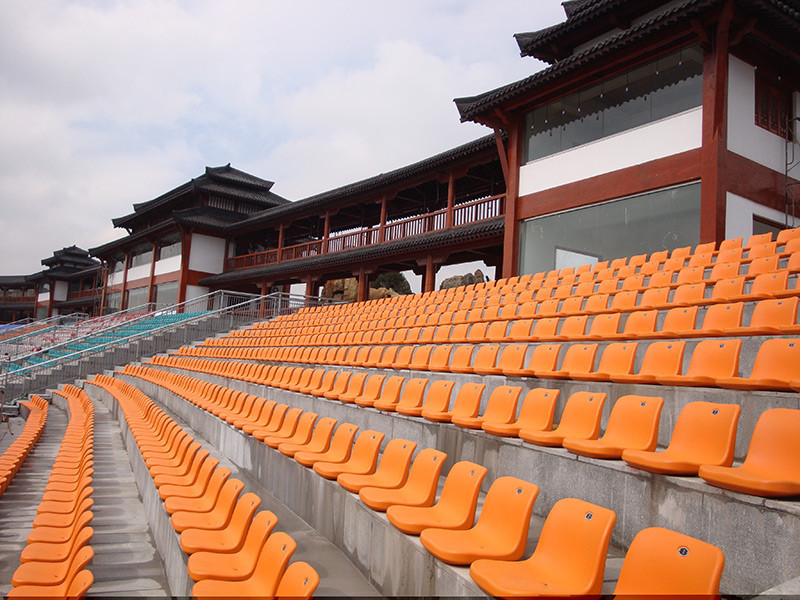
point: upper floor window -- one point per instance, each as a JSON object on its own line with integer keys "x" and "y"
{"x": 665, "y": 86}
{"x": 142, "y": 255}
{"x": 169, "y": 246}
{"x": 773, "y": 107}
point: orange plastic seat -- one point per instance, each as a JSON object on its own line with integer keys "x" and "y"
{"x": 338, "y": 450}
{"x": 76, "y": 584}
{"x": 411, "y": 396}
{"x": 501, "y": 531}
{"x": 771, "y": 467}
{"x": 772, "y": 317}
{"x": 190, "y": 486}
{"x": 389, "y": 396}
{"x": 660, "y": 358}
{"x": 206, "y": 501}
{"x": 319, "y": 441}
{"x": 391, "y": 472}
{"x": 217, "y": 517}
{"x": 704, "y": 434}
{"x": 543, "y": 360}
{"x": 661, "y": 563}
{"x": 355, "y": 386}
{"x": 500, "y": 408}
{"x": 455, "y": 508}
{"x": 639, "y": 324}
{"x": 300, "y": 434}
{"x": 419, "y": 488}
{"x": 362, "y": 458}
{"x": 569, "y": 559}
{"x": 239, "y": 564}
{"x": 228, "y": 539}
{"x": 371, "y": 391}
{"x": 286, "y": 429}
{"x": 632, "y": 424}
{"x": 711, "y": 360}
{"x": 536, "y": 414}
{"x": 44, "y": 579}
{"x": 579, "y": 358}
{"x": 466, "y": 404}
{"x": 272, "y": 561}
{"x": 618, "y": 358}
{"x": 299, "y": 582}
{"x": 777, "y": 363}
{"x": 580, "y": 419}
{"x": 437, "y": 399}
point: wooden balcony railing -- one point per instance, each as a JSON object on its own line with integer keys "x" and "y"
{"x": 14, "y": 299}
{"x": 463, "y": 214}
{"x": 84, "y": 294}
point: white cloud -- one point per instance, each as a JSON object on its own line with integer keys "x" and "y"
{"x": 103, "y": 104}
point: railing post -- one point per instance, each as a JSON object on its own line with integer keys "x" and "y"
{"x": 451, "y": 200}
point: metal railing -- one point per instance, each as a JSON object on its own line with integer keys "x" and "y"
{"x": 200, "y": 318}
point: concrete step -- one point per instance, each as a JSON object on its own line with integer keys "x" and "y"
{"x": 125, "y": 561}
{"x": 19, "y": 502}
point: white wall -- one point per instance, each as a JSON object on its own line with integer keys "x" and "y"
{"x": 140, "y": 272}
{"x": 168, "y": 265}
{"x": 195, "y": 291}
{"x": 43, "y": 297}
{"x": 60, "y": 291}
{"x": 739, "y": 213}
{"x": 115, "y": 278}
{"x": 659, "y": 139}
{"x": 207, "y": 254}
{"x": 744, "y": 136}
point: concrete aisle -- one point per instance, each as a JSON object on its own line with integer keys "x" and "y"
{"x": 19, "y": 502}
{"x": 126, "y": 562}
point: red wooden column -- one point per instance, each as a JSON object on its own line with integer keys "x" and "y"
{"x": 429, "y": 281}
{"x": 150, "y": 285}
{"x": 382, "y": 226}
{"x": 451, "y": 200}
{"x": 52, "y": 294}
{"x": 326, "y": 233}
{"x": 511, "y": 233}
{"x": 363, "y": 284}
{"x": 186, "y": 252}
{"x": 123, "y": 300}
{"x": 309, "y": 285}
{"x": 35, "y": 300}
{"x": 713, "y": 171}
{"x": 280, "y": 242}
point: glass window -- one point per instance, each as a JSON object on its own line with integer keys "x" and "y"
{"x": 142, "y": 255}
{"x": 113, "y": 301}
{"x": 167, "y": 294}
{"x": 169, "y": 246}
{"x": 44, "y": 288}
{"x": 665, "y": 86}
{"x": 646, "y": 223}
{"x": 136, "y": 297}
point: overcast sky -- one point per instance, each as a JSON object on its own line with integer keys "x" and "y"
{"x": 105, "y": 103}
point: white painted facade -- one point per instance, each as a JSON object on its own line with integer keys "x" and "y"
{"x": 139, "y": 272}
{"x": 207, "y": 254}
{"x": 195, "y": 291}
{"x": 744, "y": 136}
{"x": 60, "y": 290}
{"x": 168, "y": 265}
{"x": 659, "y": 139}
{"x": 739, "y": 214}
{"x": 43, "y": 297}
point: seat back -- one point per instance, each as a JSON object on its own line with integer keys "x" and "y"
{"x": 777, "y": 359}
{"x": 438, "y": 396}
{"x": 502, "y": 404}
{"x": 663, "y": 358}
{"x": 300, "y": 580}
{"x": 605, "y": 324}
{"x": 633, "y": 422}
{"x": 355, "y": 384}
{"x": 579, "y": 358}
{"x": 581, "y": 415}
{"x": 574, "y": 544}
{"x": 679, "y": 319}
{"x": 661, "y": 562}
{"x": 512, "y": 357}
{"x": 372, "y": 388}
{"x": 390, "y": 393}
{"x": 715, "y": 358}
{"x": 506, "y": 514}
{"x": 723, "y": 317}
{"x": 462, "y": 356}
{"x": 440, "y": 357}
{"x": 774, "y": 313}
{"x": 544, "y": 357}
{"x": 365, "y": 450}
{"x": 468, "y": 400}
{"x": 413, "y": 393}
{"x": 271, "y": 564}
{"x": 706, "y": 432}
{"x": 423, "y": 475}
{"x": 775, "y": 444}
{"x": 640, "y": 323}
{"x": 618, "y": 357}
{"x": 538, "y": 409}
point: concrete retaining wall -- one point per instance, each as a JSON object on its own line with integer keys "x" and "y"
{"x": 760, "y": 537}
